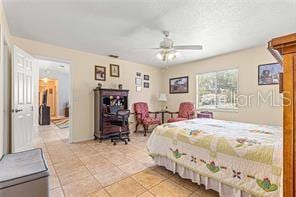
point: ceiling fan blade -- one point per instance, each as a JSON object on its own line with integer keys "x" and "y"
{"x": 155, "y": 48}
{"x": 188, "y": 47}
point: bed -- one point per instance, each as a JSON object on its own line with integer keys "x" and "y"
{"x": 233, "y": 158}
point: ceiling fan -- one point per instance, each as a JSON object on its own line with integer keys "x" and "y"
{"x": 168, "y": 50}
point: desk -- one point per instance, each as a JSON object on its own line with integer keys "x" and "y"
{"x": 106, "y": 101}
{"x": 111, "y": 127}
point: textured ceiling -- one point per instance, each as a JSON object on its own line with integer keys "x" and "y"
{"x": 128, "y": 28}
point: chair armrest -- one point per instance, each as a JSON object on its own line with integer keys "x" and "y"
{"x": 191, "y": 116}
{"x": 175, "y": 112}
{"x": 138, "y": 115}
{"x": 172, "y": 113}
{"x": 155, "y": 113}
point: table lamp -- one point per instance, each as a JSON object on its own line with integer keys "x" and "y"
{"x": 163, "y": 98}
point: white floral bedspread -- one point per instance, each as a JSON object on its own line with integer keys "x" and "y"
{"x": 245, "y": 156}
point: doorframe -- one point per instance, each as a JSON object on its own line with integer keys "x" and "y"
{"x": 71, "y": 95}
{"x": 7, "y": 92}
{"x": 5, "y": 62}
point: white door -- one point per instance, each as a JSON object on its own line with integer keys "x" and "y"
{"x": 22, "y": 100}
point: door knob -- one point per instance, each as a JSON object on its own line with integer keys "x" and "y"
{"x": 18, "y": 110}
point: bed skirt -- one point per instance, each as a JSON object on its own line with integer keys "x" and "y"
{"x": 209, "y": 183}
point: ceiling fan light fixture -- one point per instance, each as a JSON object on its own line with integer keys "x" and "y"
{"x": 171, "y": 55}
{"x": 169, "y": 51}
{"x": 159, "y": 55}
{"x": 166, "y": 55}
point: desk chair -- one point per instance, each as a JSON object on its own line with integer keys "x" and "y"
{"x": 121, "y": 120}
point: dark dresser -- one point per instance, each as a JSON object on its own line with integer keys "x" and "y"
{"x": 107, "y": 102}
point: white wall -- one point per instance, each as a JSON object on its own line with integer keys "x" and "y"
{"x": 82, "y": 81}
{"x": 247, "y": 62}
{"x": 63, "y": 92}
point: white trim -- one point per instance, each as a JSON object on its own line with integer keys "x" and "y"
{"x": 35, "y": 94}
{"x": 56, "y": 60}
{"x": 71, "y": 110}
{"x": 7, "y": 96}
{"x": 6, "y": 65}
{"x": 82, "y": 140}
{"x": 71, "y": 94}
{"x": 2, "y": 89}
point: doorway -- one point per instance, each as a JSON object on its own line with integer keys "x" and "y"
{"x": 50, "y": 86}
{"x": 24, "y": 96}
{"x": 54, "y": 96}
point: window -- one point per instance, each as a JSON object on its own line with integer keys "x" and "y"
{"x": 217, "y": 90}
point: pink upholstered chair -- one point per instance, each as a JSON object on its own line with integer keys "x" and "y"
{"x": 205, "y": 114}
{"x": 186, "y": 111}
{"x": 142, "y": 115}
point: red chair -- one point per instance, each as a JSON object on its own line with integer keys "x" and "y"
{"x": 142, "y": 114}
{"x": 186, "y": 111}
{"x": 205, "y": 114}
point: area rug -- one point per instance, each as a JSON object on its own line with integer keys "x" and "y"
{"x": 62, "y": 123}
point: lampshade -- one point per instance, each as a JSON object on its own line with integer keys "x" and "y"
{"x": 162, "y": 97}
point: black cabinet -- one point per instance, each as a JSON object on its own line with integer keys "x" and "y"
{"x": 107, "y": 102}
{"x": 44, "y": 115}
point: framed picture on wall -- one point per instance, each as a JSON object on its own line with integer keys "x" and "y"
{"x": 178, "y": 85}
{"x": 146, "y": 85}
{"x": 146, "y": 77}
{"x": 100, "y": 73}
{"x": 114, "y": 70}
{"x": 269, "y": 74}
{"x": 138, "y": 81}
{"x": 138, "y": 88}
{"x": 138, "y": 74}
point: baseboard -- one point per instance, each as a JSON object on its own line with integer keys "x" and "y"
{"x": 82, "y": 140}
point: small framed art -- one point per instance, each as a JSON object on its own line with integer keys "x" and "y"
{"x": 269, "y": 74}
{"x": 114, "y": 70}
{"x": 138, "y": 81}
{"x": 138, "y": 88}
{"x": 146, "y": 85}
{"x": 146, "y": 77}
{"x": 100, "y": 73}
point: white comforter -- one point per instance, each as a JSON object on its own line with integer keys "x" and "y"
{"x": 245, "y": 156}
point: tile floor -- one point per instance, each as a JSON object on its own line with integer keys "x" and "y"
{"x": 96, "y": 169}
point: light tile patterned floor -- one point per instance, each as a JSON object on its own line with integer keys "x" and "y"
{"x": 96, "y": 169}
